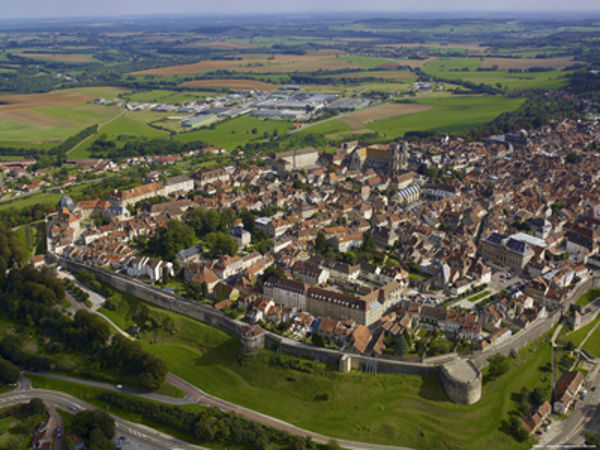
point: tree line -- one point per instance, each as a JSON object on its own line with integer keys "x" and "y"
{"x": 212, "y": 425}
{"x": 30, "y": 297}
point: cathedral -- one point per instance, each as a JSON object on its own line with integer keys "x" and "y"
{"x": 391, "y": 159}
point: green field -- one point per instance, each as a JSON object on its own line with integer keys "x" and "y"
{"x": 15, "y": 134}
{"x": 166, "y": 96}
{"x": 32, "y": 199}
{"x": 366, "y": 61}
{"x": 453, "y": 69}
{"x": 387, "y": 409}
{"x": 588, "y": 297}
{"x": 125, "y": 125}
{"x": 325, "y": 128}
{"x": 232, "y": 133}
{"x": 592, "y": 345}
{"x": 449, "y": 115}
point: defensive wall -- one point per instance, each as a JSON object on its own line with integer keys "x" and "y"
{"x": 525, "y": 337}
{"x": 460, "y": 378}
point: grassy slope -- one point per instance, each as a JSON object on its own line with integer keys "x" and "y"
{"x": 449, "y": 115}
{"x": 43, "y": 198}
{"x": 402, "y": 410}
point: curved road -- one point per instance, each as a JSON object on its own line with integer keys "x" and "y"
{"x": 141, "y": 433}
{"x": 195, "y": 395}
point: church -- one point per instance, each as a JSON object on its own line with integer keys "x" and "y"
{"x": 390, "y": 158}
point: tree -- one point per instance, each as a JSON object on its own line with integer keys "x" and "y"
{"x": 93, "y": 427}
{"x": 172, "y": 238}
{"x": 498, "y": 366}
{"x": 516, "y": 428}
{"x": 318, "y": 340}
{"x": 538, "y": 396}
{"x": 9, "y": 373}
{"x": 219, "y": 244}
{"x": 368, "y": 244}
{"x": 592, "y": 439}
{"x": 321, "y": 244}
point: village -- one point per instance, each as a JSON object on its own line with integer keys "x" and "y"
{"x": 366, "y": 251}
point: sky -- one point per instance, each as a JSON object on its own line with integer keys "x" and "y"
{"x": 17, "y": 9}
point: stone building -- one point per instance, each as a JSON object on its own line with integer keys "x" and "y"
{"x": 506, "y": 251}
{"x": 305, "y": 158}
{"x": 286, "y": 292}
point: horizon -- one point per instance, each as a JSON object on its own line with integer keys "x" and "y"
{"x": 67, "y": 10}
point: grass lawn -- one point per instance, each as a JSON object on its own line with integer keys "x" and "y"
{"x": 230, "y": 134}
{"x": 592, "y": 345}
{"x": 387, "y": 409}
{"x": 588, "y": 297}
{"x": 576, "y": 337}
{"x": 478, "y": 296}
{"x": 449, "y": 115}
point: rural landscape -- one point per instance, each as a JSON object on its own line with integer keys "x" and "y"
{"x": 354, "y": 230}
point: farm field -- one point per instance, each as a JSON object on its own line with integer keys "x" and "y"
{"x": 226, "y": 83}
{"x": 357, "y": 120}
{"x": 449, "y": 115}
{"x": 357, "y": 406}
{"x": 402, "y": 75}
{"x": 166, "y": 96}
{"x": 44, "y": 120}
{"x": 263, "y": 63}
{"x": 124, "y": 125}
{"x": 466, "y": 69}
{"x": 232, "y": 133}
{"x": 527, "y": 63}
{"x": 61, "y": 57}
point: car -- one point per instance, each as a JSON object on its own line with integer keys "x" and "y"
{"x": 59, "y": 435}
{"x": 73, "y": 408}
{"x": 119, "y": 386}
{"x": 538, "y": 431}
{"x": 593, "y": 388}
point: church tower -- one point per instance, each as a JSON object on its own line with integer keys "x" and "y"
{"x": 398, "y": 157}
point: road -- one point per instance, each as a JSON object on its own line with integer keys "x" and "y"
{"x": 201, "y": 397}
{"x": 195, "y": 395}
{"x": 125, "y": 390}
{"x": 134, "y": 431}
{"x": 584, "y": 417}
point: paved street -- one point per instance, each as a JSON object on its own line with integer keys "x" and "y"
{"x": 203, "y": 398}
{"x": 144, "y": 435}
{"x": 584, "y": 417}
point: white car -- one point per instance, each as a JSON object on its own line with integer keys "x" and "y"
{"x": 119, "y": 386}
